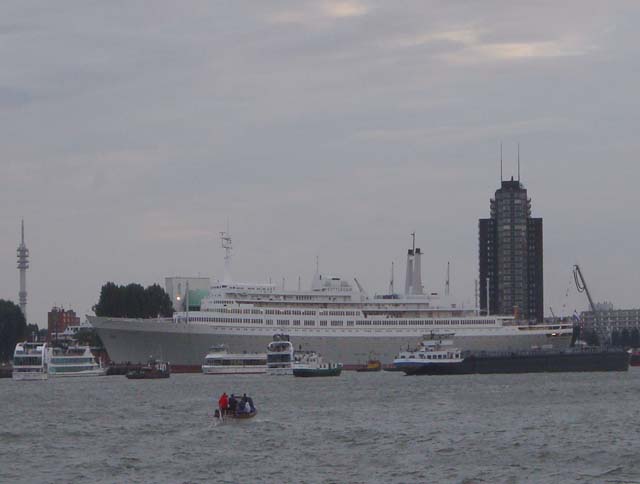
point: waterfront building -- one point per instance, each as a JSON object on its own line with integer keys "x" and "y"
{"x": 611, "y": 321}
{"x": 510, "y": 255}
{"x": 23, "y": 265}
{"x": 176, "y": 288}
{"x": 58, "y": 320}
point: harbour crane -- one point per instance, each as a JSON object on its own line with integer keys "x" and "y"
{"x": 581, "y": 286}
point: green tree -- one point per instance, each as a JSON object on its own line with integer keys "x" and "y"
{"x": 32, "y": 332}
{"x": 133, "y": 301}
{"x": 13, "y": 328}
{"x": 158, "y": 302}
{"x": 88, "y": 337}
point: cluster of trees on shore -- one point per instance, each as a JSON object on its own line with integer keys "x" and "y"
{"x": 133, "y": 301}
{"x": 13, "y": 328}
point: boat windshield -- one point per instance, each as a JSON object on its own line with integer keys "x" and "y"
{"x": 279, "y": 358}
{"x": 27, "y": 361}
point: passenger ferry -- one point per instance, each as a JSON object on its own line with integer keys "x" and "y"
{"x": 333, "y": 317}
{"x": 435, "y": 354}
{"x": 280, "y": 356}
{"x": 30, "y": 361}
{"x": 311, "y": 364}
{"x": 220, "y": 362}
{"x": 72, "y": 361}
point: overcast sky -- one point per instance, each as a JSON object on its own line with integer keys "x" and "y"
{"x": 130, "y": 131}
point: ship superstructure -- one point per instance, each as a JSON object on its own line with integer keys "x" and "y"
{"x": 333, "y": 317}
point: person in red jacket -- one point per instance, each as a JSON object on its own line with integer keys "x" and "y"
{"x": 223, "y": 403}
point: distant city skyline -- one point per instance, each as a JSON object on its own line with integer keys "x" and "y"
{"x": 329, "y": 128}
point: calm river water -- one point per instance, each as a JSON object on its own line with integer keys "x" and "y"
{"x": 359, "y": 427}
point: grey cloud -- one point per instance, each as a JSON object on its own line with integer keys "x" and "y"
{"x": 133, "y": 133}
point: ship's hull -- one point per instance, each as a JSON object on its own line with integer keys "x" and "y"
{"x": 316, "y": 372}
{"x": 524, "y": 363}
{"x": 29, "y": 375}
{"x": 240, "y": 370}
{"x": 186, "y": 344}
{"x": 72, "y": 374}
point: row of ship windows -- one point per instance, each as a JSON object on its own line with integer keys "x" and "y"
{"x": 288, "y": 312}
{"x": 297, "y": 322}
{"x": 60, "y": 361}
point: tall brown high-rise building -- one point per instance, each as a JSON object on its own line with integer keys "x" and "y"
{"x": 510, "y": 246}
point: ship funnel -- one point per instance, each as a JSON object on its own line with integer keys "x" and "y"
{"x": 417, "y": 272}
{"x": 408, "y": 285}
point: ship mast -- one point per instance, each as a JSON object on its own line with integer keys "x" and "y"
{"x": 225, "y": 240}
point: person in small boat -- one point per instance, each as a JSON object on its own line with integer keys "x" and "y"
{"x": 250, "y": 402}
{"x": 223, "y": 403}
{"x": 247, "y": 407}
{"x": 233, "y": 404}
{"x": 243, "y": 402}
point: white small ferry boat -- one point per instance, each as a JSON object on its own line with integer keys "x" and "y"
{"x": 74, "y": 361}
{"x": 220, "y": 362}
{"x": 310, "y": 364}
{"x": 280, "y": 356}
{"x": 30, "y": 361}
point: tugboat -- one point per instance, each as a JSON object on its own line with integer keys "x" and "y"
{"x": 436, "y": 356}
{"x": 372, "y": 365}
{"x": 152, "y": 370}
{"x": 310, "y": 364}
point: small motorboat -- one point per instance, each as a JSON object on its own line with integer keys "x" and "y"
{"x": 152, "y": 370}
{"x": 238, "y": 413}
{"x": 372, "y": 365}
{"x": 235, "y": 416}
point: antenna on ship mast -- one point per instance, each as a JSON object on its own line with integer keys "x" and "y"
{"x": 391, "y": 283}
{"x": 447, "y": 284}
{"x": 225, "y": 240}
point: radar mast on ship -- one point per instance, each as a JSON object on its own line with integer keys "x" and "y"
{"x": 225, "y": 239}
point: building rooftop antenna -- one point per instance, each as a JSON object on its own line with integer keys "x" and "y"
{"x": 500, "y": 161}
{"x": 518, "y": 162}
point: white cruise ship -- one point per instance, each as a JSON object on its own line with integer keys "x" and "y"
{"x": 333, "y": 317}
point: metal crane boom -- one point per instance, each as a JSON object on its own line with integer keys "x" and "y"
{"x": 581, "y": 286}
